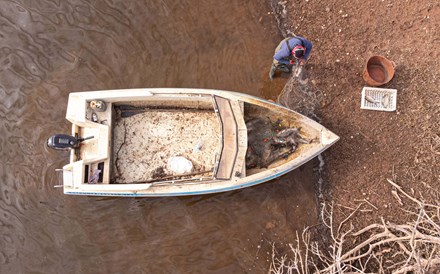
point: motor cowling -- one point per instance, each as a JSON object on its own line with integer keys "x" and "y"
{"x": 64, "y": 141}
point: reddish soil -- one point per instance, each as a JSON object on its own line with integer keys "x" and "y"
{"x": 402, "y": 146}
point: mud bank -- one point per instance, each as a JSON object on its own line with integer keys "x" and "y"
{"x": 374, "y": 145}
{"x": 401, "y": 146}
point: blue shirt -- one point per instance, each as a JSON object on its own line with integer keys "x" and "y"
{"x": 283, "y": 54}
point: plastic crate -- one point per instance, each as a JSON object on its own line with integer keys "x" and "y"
{"x": 381, "y": 99}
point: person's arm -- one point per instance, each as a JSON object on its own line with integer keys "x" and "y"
{"x": 282, "y": 55}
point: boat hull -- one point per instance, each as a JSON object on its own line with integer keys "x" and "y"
{"x": 75, "y": 185}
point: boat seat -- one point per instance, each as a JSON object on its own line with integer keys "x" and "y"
{"x": 234, "y": 137}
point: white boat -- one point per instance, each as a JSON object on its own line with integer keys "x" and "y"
{"x": 174, "y": 142}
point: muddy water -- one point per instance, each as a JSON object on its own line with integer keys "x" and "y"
{"x": 50, "y": 48}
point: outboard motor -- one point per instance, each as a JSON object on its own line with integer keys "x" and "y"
{"x": 65, "y": 142}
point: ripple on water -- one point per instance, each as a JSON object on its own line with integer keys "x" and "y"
{"x": 51, "y": 48}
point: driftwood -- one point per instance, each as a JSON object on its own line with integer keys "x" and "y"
{"x": 385, "y": 247}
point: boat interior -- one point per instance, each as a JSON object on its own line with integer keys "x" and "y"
{"x": 135, "y": 139}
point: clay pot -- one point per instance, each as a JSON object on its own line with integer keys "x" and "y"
{"x": 378, "y": 71}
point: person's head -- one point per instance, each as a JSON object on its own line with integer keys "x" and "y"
{"x": 298, "y": 52}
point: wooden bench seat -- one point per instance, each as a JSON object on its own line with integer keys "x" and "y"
{"x": 234, "y": 137}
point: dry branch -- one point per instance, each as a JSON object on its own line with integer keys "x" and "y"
{"x": 397, "y": 248}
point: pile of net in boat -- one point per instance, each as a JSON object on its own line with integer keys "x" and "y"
{"x": 269, "y": 141}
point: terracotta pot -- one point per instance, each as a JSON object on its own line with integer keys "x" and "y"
{"x": 378, "y": 71}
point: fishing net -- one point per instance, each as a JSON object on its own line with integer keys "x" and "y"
{"x": 298, "y": 94}
{"x": 261, "y": 132}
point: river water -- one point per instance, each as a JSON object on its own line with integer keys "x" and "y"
{"x": 51, "y": 48}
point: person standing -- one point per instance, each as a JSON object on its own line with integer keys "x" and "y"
{"x": 290, "y": 50}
